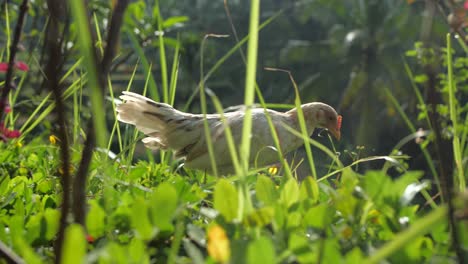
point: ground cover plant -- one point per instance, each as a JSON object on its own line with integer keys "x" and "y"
{"x": 76, "y": 186}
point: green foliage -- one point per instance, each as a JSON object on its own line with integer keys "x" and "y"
{"x": 147, "y": 212}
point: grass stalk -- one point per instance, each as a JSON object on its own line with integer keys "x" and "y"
{"x": 249, "y": 97}
{"x": 412, "y": 129}
{"x": 228, "y": 133}
{"x": 153, "y": 87}
{"x": 162, "y": 56}
{"x": 203, "y": 106}
{"x": 224, "y": 58}
{"x": 89, "y": 59}
{"x": 274, "y": 134}
{"x": 174, "y": 73}
{"x": 454, "y": 117}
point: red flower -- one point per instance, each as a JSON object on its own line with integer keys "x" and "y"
{"x": 18, "y": 65}
{"x": 6, "y": 108}
{"x": 465, "y": 5}
{"x": 90, "y": 238}
{"x": 7, "y": 133}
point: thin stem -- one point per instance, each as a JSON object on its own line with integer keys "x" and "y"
{"x": 11, "y": 62}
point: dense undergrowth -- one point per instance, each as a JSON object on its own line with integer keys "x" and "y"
{"x": 157, "y": 211}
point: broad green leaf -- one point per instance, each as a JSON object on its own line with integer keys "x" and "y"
{"x": 376, "y": 184}
{"x": 345, "y": 202}
{"x": 354, "y": 256}
{"x": 293, "y": 220}
{"x": 318, "y": 216}
{"x": 226, "y": 199}
{"x": 137, "y": 252}
{"x": 52, "y": 217}
{"x": 301, "y": 248}
{"x": 137, "y": 173}
{"x": 95, "y": 219}
{"x": 265, "y": 190}
{"x": 260, "y": 217}
{"x": 261, "y": 251}
{"x": 26, "y": 251}
{"x": 309, "y": 189}
{"x": 174, "y": 20}
{"x": 164, "y": 205}
{"x": 331, "y": 252}
{"x": 114, "y": 254}
{"x": 33, "y": 227}
{"x": 74, "y": 247}
{"x": 140, "y": 219}
{"x": 45, "y": 186}
{"x": 290, "y": 193}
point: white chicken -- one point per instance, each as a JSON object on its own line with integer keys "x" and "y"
{"x": 168, "y": 128}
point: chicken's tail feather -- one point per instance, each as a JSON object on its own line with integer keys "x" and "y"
{"x": 165, "y": 126}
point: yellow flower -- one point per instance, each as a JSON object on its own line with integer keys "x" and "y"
{"x": 71, "y": 170}
{"x": 19, "y": 144}
{"x": 374, "y": 216}
{"x": 347, "y": 232}
{"x": 273, "y": 170}
{"x": 218, "y": 244}
{"x": 53, "y": 139}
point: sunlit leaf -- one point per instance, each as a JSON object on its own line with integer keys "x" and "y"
{"x": 163, "y": 204}
{"x": 226, "y": 199}
{"x": 265, "y": 190}
{"x": 290, "y": 193}
{"x": 261, "y": 251}
{"x": 74, "y": 248}
{"x": 95, "y": 219}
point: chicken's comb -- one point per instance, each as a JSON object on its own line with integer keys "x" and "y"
{"x": 340, "y": 118}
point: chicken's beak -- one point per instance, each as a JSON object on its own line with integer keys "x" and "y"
{"x": 335, "y": 132}
{"x": 336, "y": 129}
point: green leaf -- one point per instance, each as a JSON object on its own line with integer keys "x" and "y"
{"x": 95, "y": 219}
{"x": 137, "y": 173}
{"x": 260, "y": 217}
{"x": 354, "y": 256}
{"x": 226, "y": 199}
{"x": 261, "y": 251}
{"x": 301, "y": 249}
{"x": 265, "y": 190}
{"x": 74, "y": 248}
{"x": 290, "y": 193}
{"x": 309, "y": 189}
{"x": 52, "y": 217}
{"x": 164, "y": 204}
{"x": 318, "y": 216}
{"x": 174, "y": 20}
{"x": 137, "y": 252}
{"x": 140, "y": 219}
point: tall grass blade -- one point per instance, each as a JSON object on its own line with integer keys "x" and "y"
{"x": 174, "y": 73}
{"x": 454, "y": 117}
{"x": 87, "y": 51}
{"x": 228, "y": 133}
{"x": 412, "y": 129}
{"x": 228, "y": 55}
{"x": 153, "y": 88}
{"x": 203, "y": 106}
{"x": 162, "y": 56}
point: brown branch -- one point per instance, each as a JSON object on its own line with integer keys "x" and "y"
{"x": 11, "y": 62}
{"x": 8, "y": 255}
{"x": 79, "y": 185}
{"x": 443, "y": 146}
{"x": 53, "y": 69}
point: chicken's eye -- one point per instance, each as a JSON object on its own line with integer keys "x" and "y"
{"x": 330, "y": 118}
